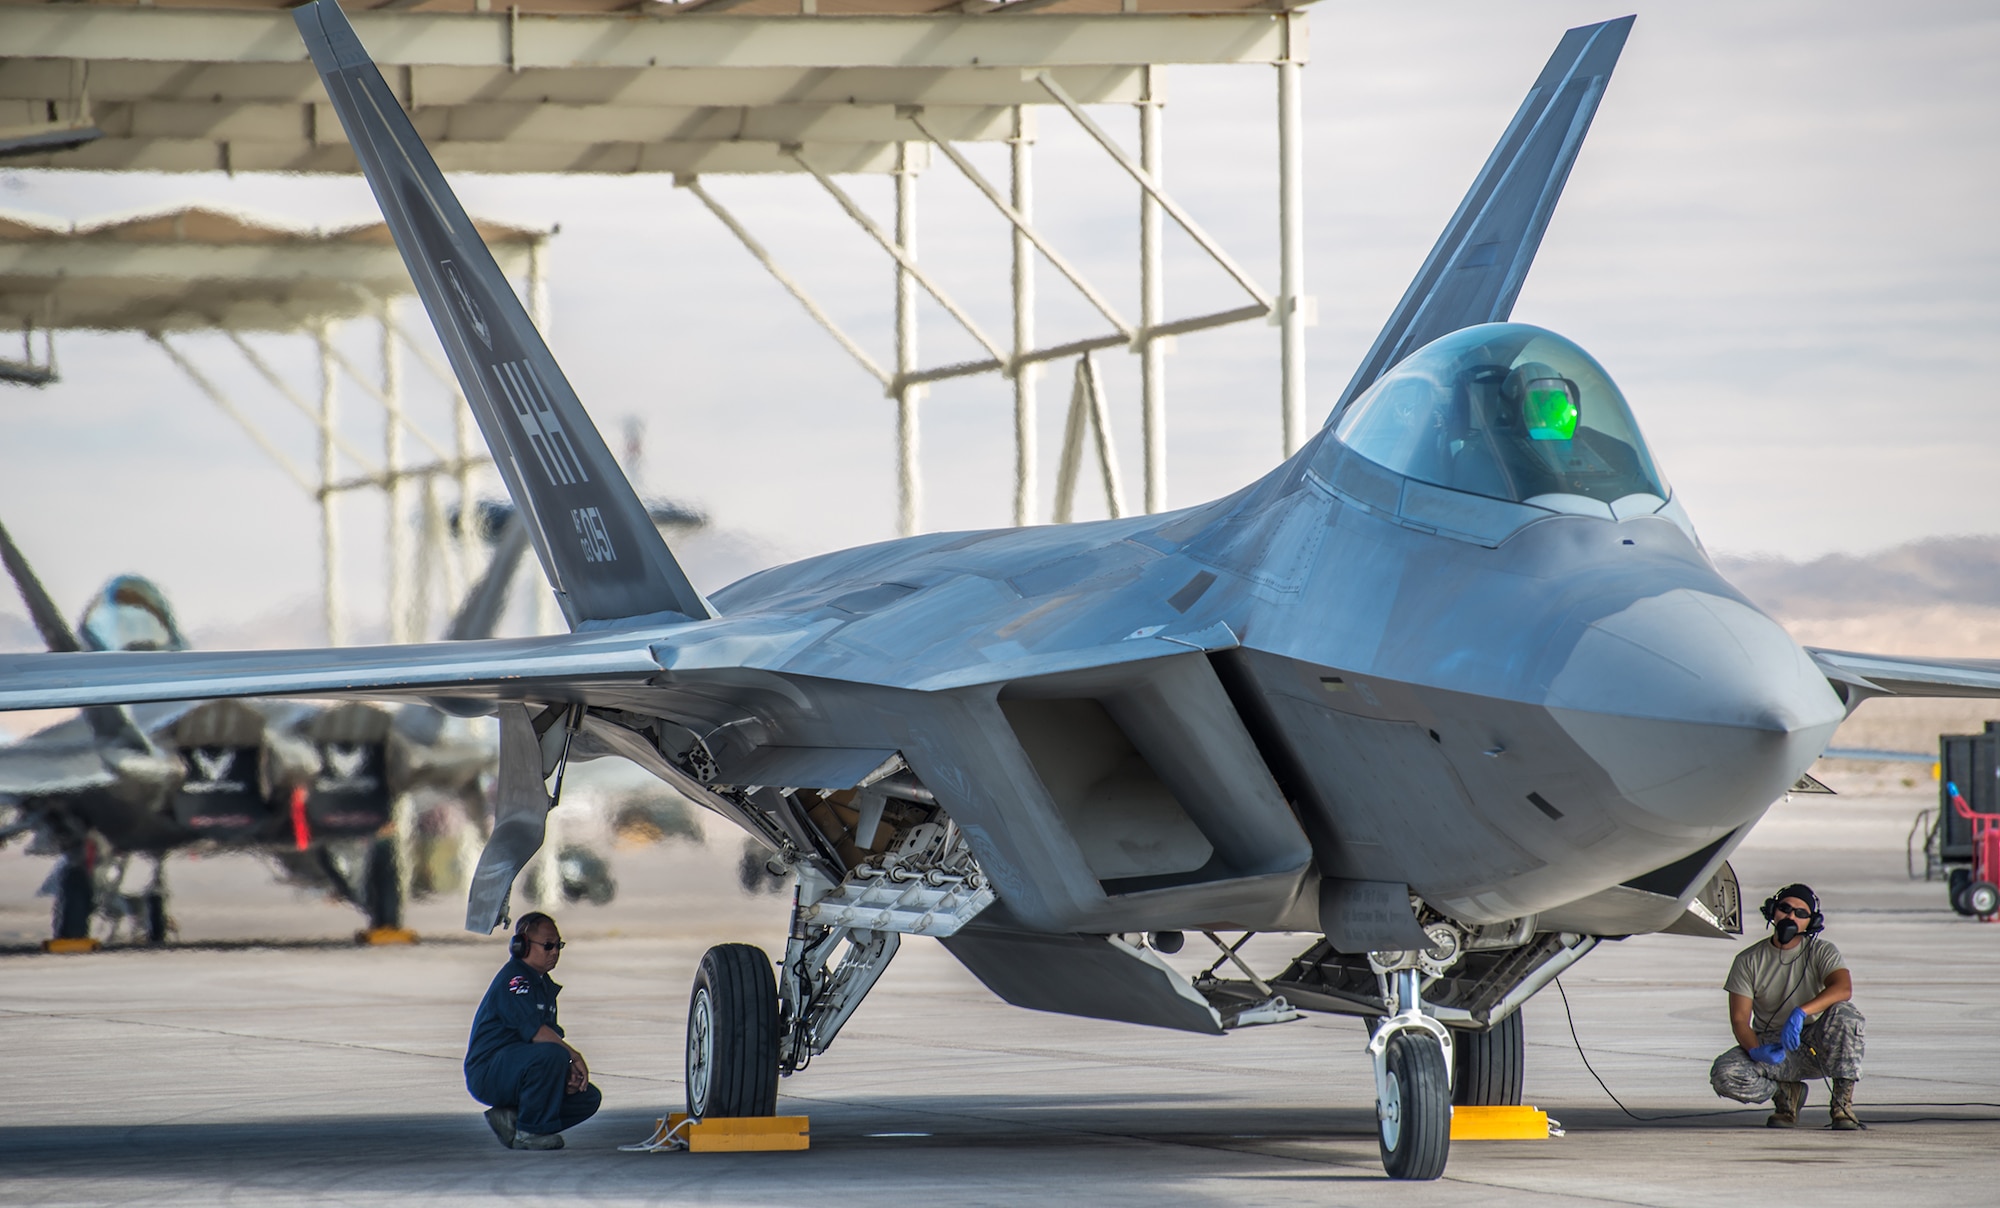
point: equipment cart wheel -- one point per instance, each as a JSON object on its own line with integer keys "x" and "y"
{"x": 1414, "y": 1116}
{"x": 382, "y": 886}
{"x": 1982, "y": 898}
{"x": 732, "y": 1035}
{"x": 1487, "y": 1067}
{"x": 1961, "y": 880}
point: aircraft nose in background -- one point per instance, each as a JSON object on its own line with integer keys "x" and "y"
{"x": 1702, "y": 709}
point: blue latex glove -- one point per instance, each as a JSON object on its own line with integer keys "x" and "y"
{"x": 1768, "y": 1054}
{"x": 1794, "y": 1028}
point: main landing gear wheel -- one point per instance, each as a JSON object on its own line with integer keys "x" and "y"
{"x": 1487, "y": 1067}
{"x": 1414, "y": 1116}
{"x": 732, "y": 1035}
{"x": 382, "y": 885}
{"x": 155, "y": 906}
{"x": 76, "y": 899}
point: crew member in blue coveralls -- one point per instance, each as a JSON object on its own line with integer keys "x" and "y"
{"x": 517, "y": 1060}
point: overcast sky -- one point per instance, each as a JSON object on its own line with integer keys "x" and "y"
{"x": 1780, "y": 239}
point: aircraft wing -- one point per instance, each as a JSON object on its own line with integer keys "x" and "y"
{"x": 503, "y": 668}
{"x": 28, "y": 771}
{"x": 1476, "y": 270}
{"x": 1895, "y": 675}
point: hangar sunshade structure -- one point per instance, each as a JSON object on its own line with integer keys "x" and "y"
{"x": 169, "y": 276}
{"x": 817, "y": 88}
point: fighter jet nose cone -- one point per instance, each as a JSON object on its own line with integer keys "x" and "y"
{"x": 1702, "y": 709}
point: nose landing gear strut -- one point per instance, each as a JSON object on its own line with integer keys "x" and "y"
{"x": 1411, "y": 1053}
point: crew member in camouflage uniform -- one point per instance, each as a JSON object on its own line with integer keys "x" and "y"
{"x": 1789, "y": 1007}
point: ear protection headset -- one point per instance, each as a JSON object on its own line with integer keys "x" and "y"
{"x": 518, "y": 946}
{"x": 1814, "y": 925}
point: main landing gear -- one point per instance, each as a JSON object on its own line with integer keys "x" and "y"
{"x": 746, "y": 1028}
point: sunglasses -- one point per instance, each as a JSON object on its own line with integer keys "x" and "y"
{"x": 546, "y": 945}
{"x": 1796, "y": 912}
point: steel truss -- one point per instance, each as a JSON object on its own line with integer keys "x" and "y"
{"x": 1019, "y": 361}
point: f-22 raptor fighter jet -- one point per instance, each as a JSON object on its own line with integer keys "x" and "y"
{"x": 1454, "y": 689}
{"x": 306, "y": 785}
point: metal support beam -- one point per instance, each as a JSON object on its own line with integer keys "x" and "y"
{"x": 1294, "y": 308}
{"x": 909, "y": 496}
{"x": 1022, "y": 206}
{"x": 906, "y": 170}
{"x": 1024, "y": 229}
{"x": 228, "y": 408}
{"x": 285, "y": 391}
{"x": 1087, "y": 409}
{"x": 329, "y": 517}
{"x": 693, "y": 185}
{"x": 1146, "y": 181}
{"x": 1152, "y": 295}
{"x": 466, "y": 463}
{"x": 396, "y": 493}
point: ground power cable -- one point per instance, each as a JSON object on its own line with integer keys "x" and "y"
{"x": 1738, "y": 1111}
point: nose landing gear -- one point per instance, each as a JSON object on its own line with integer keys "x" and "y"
{"x": 1411, "y": 1054}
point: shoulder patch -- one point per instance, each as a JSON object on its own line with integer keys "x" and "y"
{"x": 518, "y": 985}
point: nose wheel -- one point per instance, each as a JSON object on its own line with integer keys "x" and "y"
{"x": 1414, "y": 1110}
{"x": 1412, "y": 1087}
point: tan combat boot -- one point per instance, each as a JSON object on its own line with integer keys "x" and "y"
{"x": 1786, "y": 1105}
{"x": 1841, "y": 1110}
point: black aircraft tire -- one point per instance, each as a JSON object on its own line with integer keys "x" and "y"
{"x": 1955, "y": 888}
{"x": 1487, "y": 1067}
{"x": 156, "y": 918}
{"x": 381, "y": 886}
{"x": 732, "y": 1051}
{"x": 76, "y": 898}
{"x": 1414, "y": 1131}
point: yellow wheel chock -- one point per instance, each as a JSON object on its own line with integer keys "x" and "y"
{"x": 386, "y": 935}
{"x": 726, "y": 1134}
{"x": 1502, "y": 1124}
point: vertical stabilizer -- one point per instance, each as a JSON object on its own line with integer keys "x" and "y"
{"x": 111, "y": 723}
{"x": 602, "y": 554}
{"x": 1477, "y": 268}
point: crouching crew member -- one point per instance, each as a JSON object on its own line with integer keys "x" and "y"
{"x": 1789, "y": 1007}
{"x": 517, "y": 1061}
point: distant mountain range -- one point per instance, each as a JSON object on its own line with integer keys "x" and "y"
{"x": 1963, "y": 571}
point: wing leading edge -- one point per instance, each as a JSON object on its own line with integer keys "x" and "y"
{"x": 1894, "y": 675}
{"x": 1475, "y": 272}
{"x": 503, "y": 668}
{"x": 602, "y": 554}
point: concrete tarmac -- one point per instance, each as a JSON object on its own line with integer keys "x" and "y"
{"x": 316, "y": 1072}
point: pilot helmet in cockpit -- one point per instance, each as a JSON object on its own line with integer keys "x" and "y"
{"x": 1545, "y": 403}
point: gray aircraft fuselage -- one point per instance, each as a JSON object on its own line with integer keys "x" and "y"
{"x": 1509, "y": 718}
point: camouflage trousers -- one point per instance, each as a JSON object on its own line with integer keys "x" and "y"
{"x": 1830, "y": 1047}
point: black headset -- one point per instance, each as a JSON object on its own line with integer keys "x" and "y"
{"x": 1814, "y": 925}
{"x": 519, "y": 944}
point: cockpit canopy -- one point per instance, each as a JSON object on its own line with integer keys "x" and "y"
{"x": 1507, "y": 411}
{"x": 129, "y": 613}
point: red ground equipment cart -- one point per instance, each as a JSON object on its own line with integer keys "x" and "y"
{"x": 1981, "y": 895}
